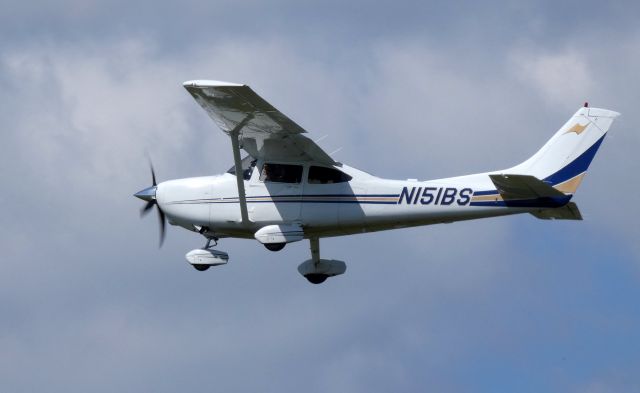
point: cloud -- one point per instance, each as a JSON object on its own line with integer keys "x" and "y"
{"x": 557, "y": 77}
{"x": 89, "y": 304}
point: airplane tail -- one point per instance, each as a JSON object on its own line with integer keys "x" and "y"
{"x": 563, "y": 161}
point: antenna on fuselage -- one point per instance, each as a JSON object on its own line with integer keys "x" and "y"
{"x": 335, "y": 151}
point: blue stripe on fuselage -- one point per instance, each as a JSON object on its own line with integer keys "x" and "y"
{"x": 535, "y": 202}
{"x": 488, "y": 192}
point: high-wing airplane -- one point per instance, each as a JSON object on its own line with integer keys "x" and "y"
{"x": 287, "y": 189}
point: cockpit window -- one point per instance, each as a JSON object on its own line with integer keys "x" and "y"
{"x": 323, "y": 175}
{"x": 248, "y": 163}
{"x": 281, "y": 173}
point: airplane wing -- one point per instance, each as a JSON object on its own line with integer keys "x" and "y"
{"x": 262, "y": 130}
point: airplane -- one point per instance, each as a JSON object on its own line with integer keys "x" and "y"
{"x": 287, "y": 189}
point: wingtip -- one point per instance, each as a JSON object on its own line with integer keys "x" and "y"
{"x": 208, "y": 83}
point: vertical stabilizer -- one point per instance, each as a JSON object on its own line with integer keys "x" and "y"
{"x": 563, "y": 161}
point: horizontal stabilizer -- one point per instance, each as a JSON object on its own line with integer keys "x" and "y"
{"x": 568, "y": 212}
{"x": 515, "y": 187}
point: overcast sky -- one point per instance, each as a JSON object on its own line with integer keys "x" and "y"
{"x": 408, "y": 90}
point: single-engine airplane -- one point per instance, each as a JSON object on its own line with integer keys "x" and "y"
{"x": 287, "y": 188}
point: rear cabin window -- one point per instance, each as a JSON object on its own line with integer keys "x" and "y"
{"x": 281, "y": 173}
{"x": 322, "y": 175}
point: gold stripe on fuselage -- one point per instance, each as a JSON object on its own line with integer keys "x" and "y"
{"x": 483, "y": 198}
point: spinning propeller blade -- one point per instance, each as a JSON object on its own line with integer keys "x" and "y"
{"x": 162, "y": 226}
{"x": 153, "y": 173}
{"x": 145, "y": 209}
{"x": 149, "y": 195}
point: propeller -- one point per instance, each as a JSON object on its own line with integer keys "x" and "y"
{"x": 149, "y": 195}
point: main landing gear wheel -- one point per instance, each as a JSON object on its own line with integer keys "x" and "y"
{"x": 317, "y": 270}
{"x": 275, "y": 246}
{"x": 315, "y": 278}
{"x": 201, "y": 268}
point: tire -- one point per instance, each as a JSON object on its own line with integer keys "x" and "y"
{"x": 201, "y": 268}
{"x": 275, "y": 246}
{"x": 315, "y": 278}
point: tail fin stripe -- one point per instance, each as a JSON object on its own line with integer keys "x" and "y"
{"x": 576, "y": 167}
{"x": 570, "y": 186}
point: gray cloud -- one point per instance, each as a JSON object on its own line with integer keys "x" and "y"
{"x": 408, "y": 91}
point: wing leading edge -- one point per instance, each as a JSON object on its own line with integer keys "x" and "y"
{"x": 262, "y": 130}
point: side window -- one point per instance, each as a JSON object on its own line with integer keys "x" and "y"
{"x": 281, "y": 173}
{"x": 322, "y": 175}
{"x": 248, "y": 163}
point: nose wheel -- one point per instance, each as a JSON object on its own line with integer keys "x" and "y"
{"x": 203, "y": 258}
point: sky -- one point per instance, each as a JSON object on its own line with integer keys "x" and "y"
{"x": 405, "y": 89}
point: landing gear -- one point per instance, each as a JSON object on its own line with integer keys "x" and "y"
{"x": 208, "y": 245}
{"x": 203, "y": 258}
{"x": 275, "y": 246}
{"x": 317, "y": 270}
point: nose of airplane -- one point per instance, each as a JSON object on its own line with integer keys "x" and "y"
{"x": 148, "y": 194}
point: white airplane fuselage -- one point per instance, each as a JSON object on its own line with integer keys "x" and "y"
{"x": 364, "y": 204}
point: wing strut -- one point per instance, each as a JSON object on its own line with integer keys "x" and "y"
{"x": 235, "y": 144}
